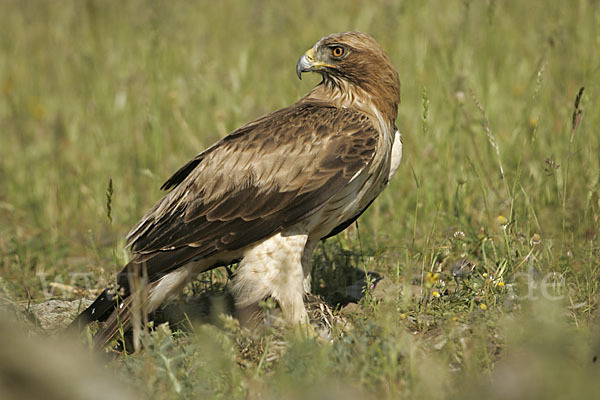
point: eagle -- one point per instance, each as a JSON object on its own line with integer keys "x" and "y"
{"x": 267, "y": 193}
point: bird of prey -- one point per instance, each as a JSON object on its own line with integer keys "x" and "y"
{"x": 267, "y": 193}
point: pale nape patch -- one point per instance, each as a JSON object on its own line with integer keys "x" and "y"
{"x": 274, "y": 268}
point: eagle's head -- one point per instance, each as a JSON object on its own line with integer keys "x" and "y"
{"x": 352, "y": 60}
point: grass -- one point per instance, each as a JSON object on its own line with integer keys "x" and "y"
{"x": 101, "y": 101}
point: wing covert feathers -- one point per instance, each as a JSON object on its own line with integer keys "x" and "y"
{"x": 264, "y": 177}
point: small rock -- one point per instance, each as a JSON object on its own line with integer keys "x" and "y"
{"x": 57, "y": 314}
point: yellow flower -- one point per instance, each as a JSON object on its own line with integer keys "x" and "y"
{"x": 431, "y": 279}
{"x": 402, "y": 316}
{"x": 502, "y": 220}
{"x": 483, "y": 306}
{"x": 500, "y": 284}
{"x": 435, "y": 294}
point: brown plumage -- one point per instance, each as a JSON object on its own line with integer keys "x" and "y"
{"x": 268, "y": 192}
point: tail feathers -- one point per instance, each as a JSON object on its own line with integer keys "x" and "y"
{"x": 115, "y": 309}
{"x": 149, "y": 266}
{"x": 130, "y": 312}
{"x": 99, "y": 310}
{"x": 104, "y": 304}
{"x": 114, "y": 313}
{"x": 137, "y": 280}
{"x": 127, "y": 313}
{"x": 118, "y": 321}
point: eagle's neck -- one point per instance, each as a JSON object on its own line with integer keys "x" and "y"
{"x": 382, "y": 109}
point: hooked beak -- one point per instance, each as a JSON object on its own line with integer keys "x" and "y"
{"x": 305, "y": 63}
{"x": 308, "y": 62}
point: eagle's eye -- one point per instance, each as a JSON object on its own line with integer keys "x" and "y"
{"x": 337, "y": 51}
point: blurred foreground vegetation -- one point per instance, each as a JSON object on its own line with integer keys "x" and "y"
{"x": 487, "y": 237}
